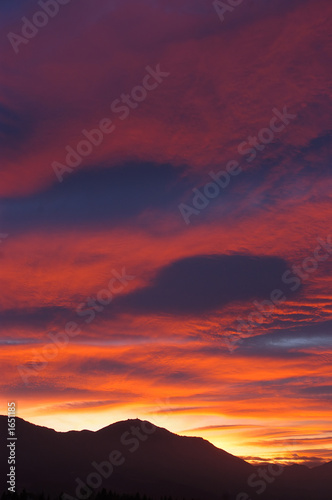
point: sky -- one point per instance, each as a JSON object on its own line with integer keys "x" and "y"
{"x": 165, "y": 219}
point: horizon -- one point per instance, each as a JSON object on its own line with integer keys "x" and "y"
{"x": 165, "y": 220}
{"x": 250, "y": 460}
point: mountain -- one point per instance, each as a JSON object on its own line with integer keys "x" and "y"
{"x": 134, "y": 455}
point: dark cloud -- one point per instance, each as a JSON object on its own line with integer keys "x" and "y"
{"x": 43, "y": 388}
{"x": 34, "y": 317}
{"x": 202, "y": 284}
{"x": 78, "y": 405}
{"x": 9, "y": 8}
{"x": 191, "y": 286}
{"x": 15, "y": 127}
{"x": 97, "y": 197}
{"x": 288, "y": 343}
{"x": 291, "y": 387}
{"x": 318, "y": 390}
{"x": 135, "y": 370}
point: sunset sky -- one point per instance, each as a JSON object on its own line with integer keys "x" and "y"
{"x": 119, "y": 246}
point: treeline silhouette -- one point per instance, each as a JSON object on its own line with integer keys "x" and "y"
{"x": 102, "y": 495}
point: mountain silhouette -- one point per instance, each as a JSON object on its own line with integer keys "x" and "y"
{"x": 135, "y": 456}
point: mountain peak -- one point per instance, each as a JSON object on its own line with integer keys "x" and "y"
{"x": 148, "y": 459}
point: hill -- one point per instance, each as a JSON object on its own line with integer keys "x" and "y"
{"x": 135, "y": 456}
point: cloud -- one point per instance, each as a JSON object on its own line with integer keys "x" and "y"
{"x": 134, "y": 369}
{"x": 98, "y": 198}
{"x": 193, "y": 286}
{"x": 222, "y": 427}
{"x": 196, "y": 120}
{"x": 78, "y": 405}
{"x": 293, "y": 342}
{"x": 43, "y": 387}
{"x": 15, "y": 127}
{"x": 35, "y": 318}
{"x": 202, "y": 284}
{"x": 318, "y": 391}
